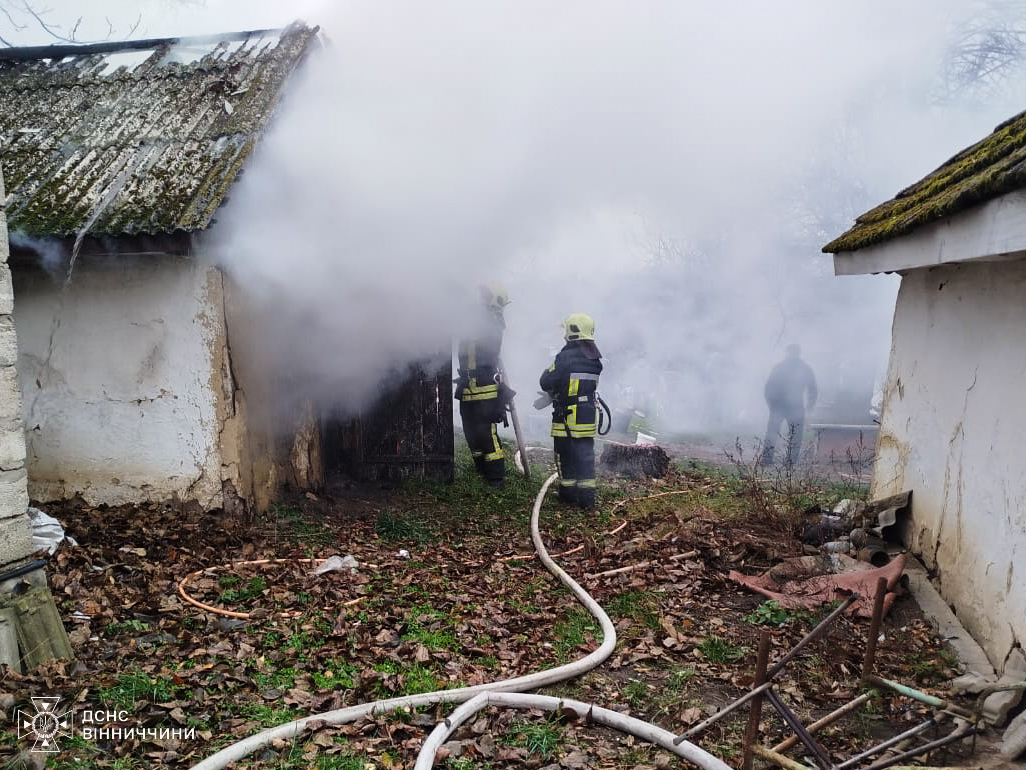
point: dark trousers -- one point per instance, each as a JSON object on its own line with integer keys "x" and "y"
{"x": 788, "y": 425}
{"x": 575, "y": 462}
{"x": 486, "y": 449}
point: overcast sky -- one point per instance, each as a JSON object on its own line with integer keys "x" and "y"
{"x": 671, "y": 168}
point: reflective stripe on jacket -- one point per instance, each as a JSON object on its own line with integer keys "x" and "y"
{"x": 479, "y": 363}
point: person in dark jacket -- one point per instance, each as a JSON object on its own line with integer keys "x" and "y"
{"x": 479, "y": 390}
{"x": 789, "y": 391}
{"x": 572, "y": 383}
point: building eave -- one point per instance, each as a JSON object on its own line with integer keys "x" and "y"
{"x": 993, "y": 231}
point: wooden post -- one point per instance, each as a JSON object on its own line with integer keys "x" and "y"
{"x": 37, "y": 623}
{"x": 9, "y": 640}
{"x": 755, "y": 709}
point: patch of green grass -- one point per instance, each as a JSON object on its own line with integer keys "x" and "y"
{"x": 716, "y": 649}
{"x": 136, "y": 686}
{"x": 641, "y": 606}
{"x": 82, "y": 754}
{"x": 268, "y": 716}
{"x": 113, "y": 629}
{"x": 414, "y": 679}
{"x": 276, "y": 679}
{"x": 254, "y": 589}
{"x": 570, "y": 633}
{"x": 636, "y": 693}
{"x": 540, "y": 738}
{"x": 417, "y": 630}
{"x": 769, "y": 613}
{"x": 336, "y": 674}
{"x": 299, "y": 527}
{"x": 678, "y": 679}
{"x": 397, "y": 527}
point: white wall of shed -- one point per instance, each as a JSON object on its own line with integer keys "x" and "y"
{"x": 124, "y": 408}
{"x": 953, "y": 431}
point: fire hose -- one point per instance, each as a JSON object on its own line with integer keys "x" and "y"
{"x": 291, "y": 730}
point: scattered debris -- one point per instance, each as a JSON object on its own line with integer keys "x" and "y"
{"x": 337, "y": 564}
{"x": 809, "y": 581}
{"x": 47, "y": 532}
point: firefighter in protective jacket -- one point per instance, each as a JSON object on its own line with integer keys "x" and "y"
{"x": 572, "y": 382}
{"x": 479, "y": 389}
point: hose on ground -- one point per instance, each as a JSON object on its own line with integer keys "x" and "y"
{"x": 291, "y": 730}
{"x": 586, "y": 711}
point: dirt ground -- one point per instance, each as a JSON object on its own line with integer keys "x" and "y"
{"x": 448, "y": 593}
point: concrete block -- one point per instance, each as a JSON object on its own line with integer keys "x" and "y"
{"x": 8, "y": 342}
{"x": 999, "y": 705}
{"x": 14, "y": 498}
{"x": 948, "y": 626}
{"x": 10, "y": 394}
{"x": 12, "y": 449}
{"x": 15, "y": 540}
{"x": 6, "y": 287}
{"x": 1013, "y": 742}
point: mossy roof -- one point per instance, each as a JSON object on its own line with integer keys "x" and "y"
{"x": 988, "y": 169}
{"x": 145, "y": 147}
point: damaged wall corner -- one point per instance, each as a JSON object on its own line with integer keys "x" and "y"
{"x": 25, "y": 599}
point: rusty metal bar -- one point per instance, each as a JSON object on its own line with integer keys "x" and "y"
{"x": 931, "y": 722}
{"x": 812, "y": 635}
{"x": 822, "y": 760}
{"x": 922, "y": 697}
{"x": 957, "y": 734}
{"x": 780, "y": 759}
{"x": 707, "y": 723}
{"x": 755, "y": 710}
{"x": 874, "y": 629}
{"x": 770, "y": 674}
{"x": 829, "y": 719}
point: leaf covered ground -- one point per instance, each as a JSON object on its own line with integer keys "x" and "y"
{"x": 448, "y": 594}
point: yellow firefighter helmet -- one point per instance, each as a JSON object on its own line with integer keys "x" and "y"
{"x": 578, "y": 326}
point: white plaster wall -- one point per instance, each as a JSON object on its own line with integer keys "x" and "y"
{"x": 954, "y": 431}
{"x": 123, "y": 409}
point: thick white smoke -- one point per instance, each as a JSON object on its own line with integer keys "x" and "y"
{"x": 671, "y": 168}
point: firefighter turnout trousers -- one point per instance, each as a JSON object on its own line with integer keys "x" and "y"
{"x": 486, "y": 449}
{"x": 575, "y": 463}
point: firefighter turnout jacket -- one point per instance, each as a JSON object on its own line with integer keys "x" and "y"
{"x": 572, "y": 381}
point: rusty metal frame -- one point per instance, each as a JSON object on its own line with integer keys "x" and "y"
{"x": 762, "y": 690}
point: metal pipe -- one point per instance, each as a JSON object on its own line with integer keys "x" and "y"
{"x": 988, "y": 691}
{"x": 755, "y": 710}
{"x": 922, "y": 697}
{"x": 874, "y": 629}
{"x": 705, "y": 724}
{"x": 931, "y": 722}
{"x": 819, "y": 724}
{"x": 780, "y": 759}
{"x": 822, "y": 760}
{"x": 958, "y": 734}
{"x": 813, "y": 634}
{"x": 24, "y": 569}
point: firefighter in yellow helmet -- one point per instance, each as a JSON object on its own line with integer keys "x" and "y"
{"x": 572, "y": 383}
{"x": 479, "y": 389}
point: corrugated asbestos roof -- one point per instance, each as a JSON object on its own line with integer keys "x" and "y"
{"x": 986, "y": 170}
{"x": 145, "y": 142}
